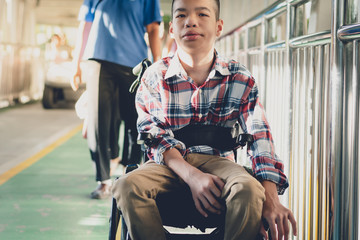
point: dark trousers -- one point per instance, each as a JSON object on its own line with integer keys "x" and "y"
{"x": 115, "y": 104}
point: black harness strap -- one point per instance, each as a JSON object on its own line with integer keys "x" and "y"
{"x": 216, "y": 137}
{"x": 221, "y": 138}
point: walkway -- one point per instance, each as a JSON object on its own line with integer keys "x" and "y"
{"x": 46, "y": 196}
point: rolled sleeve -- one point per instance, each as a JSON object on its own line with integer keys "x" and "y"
{"x": 266, "y": 168}
{"x": 265, "y": 163}
{"x": 165, "y": 144}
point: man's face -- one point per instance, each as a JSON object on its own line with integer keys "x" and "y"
{"x": 194, "y": 25}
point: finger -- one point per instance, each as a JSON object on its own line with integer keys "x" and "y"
{"x": 77, "y": 81}
{"x": 206, "y": 204}
{"x": 215, "y": 191}
{"x": 280, "y": 228}
{"x": 74, "y": 84}
{"x": 293, "y": 223}
{"x": 219, "y": 183}
{"x": 213, "y": 203}
{"x": 199, "y": 208}
{"x": 286, "y": 228}
{"x": 263, "y": 231}
{"x": 273, "y": 231}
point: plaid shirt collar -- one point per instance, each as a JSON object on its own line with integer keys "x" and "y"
{"x": 176, "y": 69}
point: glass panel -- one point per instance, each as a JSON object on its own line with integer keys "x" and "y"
{"x": 276, "y": 28}
{"x": 242, "y": 40}
{"x": 255, "y": 36}
{"x": 302, "y": 18}
{"x": 352, "y": 11}
{"x": 222, "y": 47}
{"x": 230, "y": 45}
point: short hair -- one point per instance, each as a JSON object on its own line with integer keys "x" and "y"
{"x": 217, "y": 11}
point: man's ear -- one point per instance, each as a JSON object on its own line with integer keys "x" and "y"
{"x": 219, "y": 27}
{"x": 171, "y": 30}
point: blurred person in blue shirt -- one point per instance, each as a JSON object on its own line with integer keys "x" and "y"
{"x": 111, "y": 36}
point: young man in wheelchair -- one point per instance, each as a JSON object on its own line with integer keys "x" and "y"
{"x": 197, "y": 88}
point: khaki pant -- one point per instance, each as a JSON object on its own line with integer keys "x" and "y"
{"x": 136, "y": 192}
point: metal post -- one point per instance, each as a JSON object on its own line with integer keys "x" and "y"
{"x": 336, "y": 79}
{"x": 350, "y": 35}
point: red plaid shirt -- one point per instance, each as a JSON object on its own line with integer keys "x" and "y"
{"x": 168, "y": 100}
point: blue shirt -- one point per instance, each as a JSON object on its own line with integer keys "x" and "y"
{"x": 118, "y": 28}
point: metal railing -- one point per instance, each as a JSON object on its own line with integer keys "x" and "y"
{"x": 346, "y": 179}
{"x": 349, "y": 32}
{"x": 310, "y": 87}
{"x": 310, "y": 70}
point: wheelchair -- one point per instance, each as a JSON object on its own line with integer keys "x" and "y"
{"x": 192, "y": 135}
{"x": 217, "y": 137}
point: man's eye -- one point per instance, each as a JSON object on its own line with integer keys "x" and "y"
{"x": 180, "y": 16}
{"x": 203, "y": 15}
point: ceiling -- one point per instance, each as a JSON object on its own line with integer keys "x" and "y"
{"x": 65, "y": 12}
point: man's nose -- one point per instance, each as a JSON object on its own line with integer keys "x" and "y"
{"x": 190, "y": 21}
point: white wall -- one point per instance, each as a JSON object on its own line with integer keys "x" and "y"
{"x": 237, "y": 12}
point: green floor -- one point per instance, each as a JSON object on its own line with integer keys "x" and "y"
{"x": 50, "y": 199}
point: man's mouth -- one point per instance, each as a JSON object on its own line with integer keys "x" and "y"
{"x": 191, "y": 35}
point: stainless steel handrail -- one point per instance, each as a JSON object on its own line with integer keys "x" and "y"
{"x": 275, "y": 11}
{"x": 349, "y": 32}
{"x": 311, "y": 40}
{"x": 275, "y": 45}
{"x": 338, "y": 202}
{"x": 296, "y": 2}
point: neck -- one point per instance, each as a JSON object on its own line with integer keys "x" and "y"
{"x": 197, "y": 66}
{"x": 197, "y": 60}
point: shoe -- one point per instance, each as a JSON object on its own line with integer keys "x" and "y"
{"x": 101, "y": 192}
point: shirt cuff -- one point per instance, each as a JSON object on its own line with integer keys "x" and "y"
{"x": 165, "y": 144}
{"x": 271, "y": 173}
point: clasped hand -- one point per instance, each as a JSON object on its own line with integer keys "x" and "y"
{"x": 206, "y": 191}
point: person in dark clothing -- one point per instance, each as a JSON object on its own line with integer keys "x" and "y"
{"x": 111, "y": 37}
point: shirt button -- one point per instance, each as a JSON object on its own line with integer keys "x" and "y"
{"x": 200, "y": 115}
